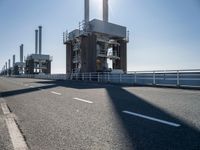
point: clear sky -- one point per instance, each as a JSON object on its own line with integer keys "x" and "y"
{"x": 164, "y": 34}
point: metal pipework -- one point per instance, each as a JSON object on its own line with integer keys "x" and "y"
{"x": 21, "y": 52}
{"x": 40, "y": 40}
{"x": 36, "y": 41}
{"x": 105, "y": 10}
{"x": 87, "y": 11}
{"x": 8, "y": 63}
{"x": 6, "y": 66}
{"x": 13, "y": 61}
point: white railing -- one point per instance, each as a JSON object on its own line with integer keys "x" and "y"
{"x": 175, "y": 78}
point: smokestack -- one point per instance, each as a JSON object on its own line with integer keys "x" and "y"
{"x": 8, "y": 63}
{"x": 6, "y": 66}
{"x": 40, "y": 40}
{"x": 13, "y": 61}
{"x": 105, "y": 10}
{"x": 21, "y": 52}
{"x": 87, "y": 11}
{"x": 36, "y": 41}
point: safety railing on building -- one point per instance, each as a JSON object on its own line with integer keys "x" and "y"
{"x": 175, "y": 78}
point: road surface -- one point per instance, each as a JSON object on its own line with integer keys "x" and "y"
{"x": 73, "y": 115}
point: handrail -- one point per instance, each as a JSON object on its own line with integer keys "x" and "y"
{"x": 178, "y": 78}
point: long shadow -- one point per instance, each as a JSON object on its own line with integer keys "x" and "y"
{"x": 144, "y": 134}
{"x": 24, "y": 91}
{"x": 150, "y": 135}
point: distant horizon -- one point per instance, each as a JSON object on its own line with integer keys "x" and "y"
{"x": 164, "y": 35}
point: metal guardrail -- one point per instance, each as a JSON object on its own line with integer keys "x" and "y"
{"x": 175, "y": 78}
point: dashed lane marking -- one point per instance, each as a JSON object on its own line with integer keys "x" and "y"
{"x": 83, "y": 100}
{"x": 53, "y": 92}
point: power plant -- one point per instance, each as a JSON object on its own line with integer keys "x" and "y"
{"x": 96, "y": 46}
{"x": 38, "y": 62}
{"x": 89, "y": 48}
{"x": 18, "y": 67}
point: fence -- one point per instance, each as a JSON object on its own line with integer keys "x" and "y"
{"x": 175, "y": 78}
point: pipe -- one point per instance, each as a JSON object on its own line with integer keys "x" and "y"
{"x": 36, "y": 41}
{"x": 8, "y": 63}
{"x": 87, "y": 11}
{"x": 21, "y": 52}
{"x": 40, "y": 40}
{"x": 13, "y": 61}
{"x": 105, "y": 10}
{"x": 6, "y": 66}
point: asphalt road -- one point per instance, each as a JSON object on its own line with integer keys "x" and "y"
{"x": 72, "y": 115}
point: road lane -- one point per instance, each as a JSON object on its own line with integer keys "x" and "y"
{"x": 54, "y": 121}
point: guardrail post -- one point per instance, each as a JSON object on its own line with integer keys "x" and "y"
{"x": 76, "y": 76}
{"x": 178, "y": 79}
{"x": 83, "y": 76}
{"x": 135, "y": 77}
{"x": 70, "y": 76}
{"x": 120, "y": 78}
{"x": 98, "y": 77}
{"x": 108, "y": 76}
{"x": 90, "y": 76}
{"x": 154, "y": 78}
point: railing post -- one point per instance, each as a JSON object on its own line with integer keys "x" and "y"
{"x": 178, "y": 79}
{"x": 154, "y": 78}
{"x": 108, "y": 76}
{"x": 98, "y": 77}
{"x": 83, "y": 76}
{"x": 76, "y": 76}
{"x": 120, "y": 78}
{"x": 90, "y": 76}
{"x": 135, "y": 77}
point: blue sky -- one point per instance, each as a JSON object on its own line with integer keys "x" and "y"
{"x": 164, "y": 34}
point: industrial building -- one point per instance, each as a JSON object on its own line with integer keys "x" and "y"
{"x": 38, "y": 62}
{"x": 95, "y": 43}
{"x": 18, "y": 67}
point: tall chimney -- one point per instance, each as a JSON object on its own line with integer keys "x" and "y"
{"x": 36, "y": 41}
{"x": 105, "y": 10}
{"x": 8, "y": 63}
{"x": 87, "y": 11}
{"x": 21, "y": 52}
{"x": 6, "y": 66}
{"x": 13, "y": 61}
{"x": 40, "y": 40}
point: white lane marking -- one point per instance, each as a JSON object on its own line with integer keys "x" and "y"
{"x": 15, "y": 135}
{"x": 53, "y": 92}
{"x": 14, "y": 132}
{"x": 5, "y": 108}
{"x": 83, "y": 100}
{"x": 152, "y": 118}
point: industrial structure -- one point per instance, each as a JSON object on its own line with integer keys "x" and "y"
{"x": 18, "y": 67}
{"x": 38, "y": 62}
{"x": 90, "y": 47}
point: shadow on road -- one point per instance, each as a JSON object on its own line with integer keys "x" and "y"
{"x": 144, "y": 134}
